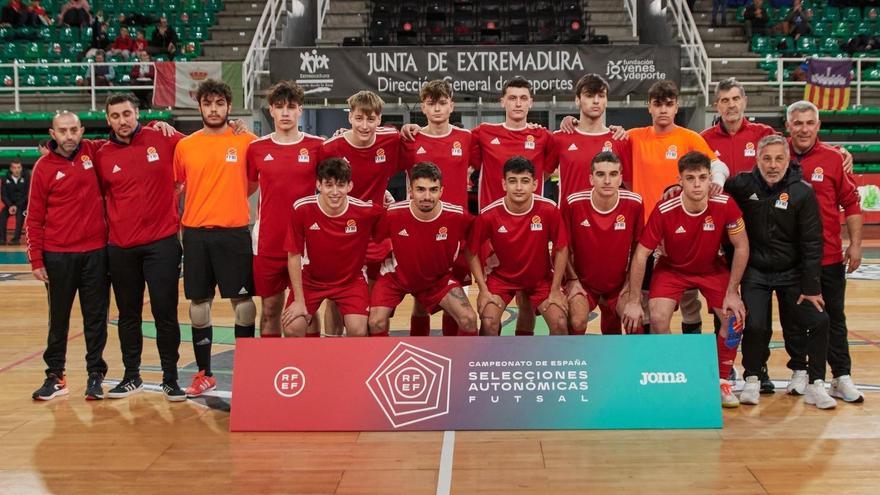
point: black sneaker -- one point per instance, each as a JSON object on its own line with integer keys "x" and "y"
{"x": 173, "y": 393}
{"x": 94, "y": 390}
{"x": 52, "y": 387}
{"x": 128, "y": 386}
{"x": 767, "y": 386}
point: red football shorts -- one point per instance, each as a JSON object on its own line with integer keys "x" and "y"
{"x": 506, "y": 292}
{"x": 351, "y": 299}
{"x": 270, "y": 275}
{"x": 671, "y": 284}
{"x": 388, "y": 292}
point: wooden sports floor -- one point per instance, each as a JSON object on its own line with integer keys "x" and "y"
{"x": 144, "y": 444}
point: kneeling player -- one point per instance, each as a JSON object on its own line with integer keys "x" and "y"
{"x": 689, "y": 228}
{"x": 604, "y": 224}
{"x": 521, "y": 226}
{"x": 427, "y": 235}
{"x": 327, "y": 247}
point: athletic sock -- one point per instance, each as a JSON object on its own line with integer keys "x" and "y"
{"x": 382, "y": 334}
{"x": 691, "y": 328}
{"x": 420, "y": 326}
{"x": 202, "y": 339}
{"x": 726, "y": 357}
{"x": 313, "y": 335}
{"x": 450, "y": 326}
{"x": 245, "y": 331}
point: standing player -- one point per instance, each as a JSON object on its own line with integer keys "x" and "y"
{"x": 135, "y": 168}
{"x": 448, "y": 147}
{"x": 327, "y": 246}
{"x": 691, "y": 227}
{"x": 67, "y": 240}
{"x": 283, "y": 163}
{"x": 572, "y": 151}
{"x": 823, "y": 168}
{"x": 373, "y": 152}
{"x": 210, "y": 166}
{"x": 428, "y": 235}
{"x": 521, "y": 227}
{"x": 604, "y": 224}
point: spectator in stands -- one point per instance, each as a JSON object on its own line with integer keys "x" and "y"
{"x": 140, "y": 41}
{"x": 100, "y": 40}
{"x": 142, "y": 74}
{"x": 123, "y": 45}
{"x": 164, "y": 40}
{"x": 15, "y": 200}
{"x": 797, "y": 23}
{"x": 75, "y": 13}
{"x": 719, "y": 5}
{"x": 16, "y": 14}
{"x": 756, "y": 20}
{"x": 104, "y": 74}
{"x": 40, "y": 13}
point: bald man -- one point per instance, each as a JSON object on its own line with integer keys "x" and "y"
{"x": 67, "y": 242}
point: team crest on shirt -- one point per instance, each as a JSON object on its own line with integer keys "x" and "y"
{"x": 536, "y": 223}
{"x": 380, "y": 155}
{"x": 782, "y": 202}
{"x": 441, "y": 234}
{"x": 456, "y": 148}
{"x": 303, "y": 155}
{"x": 530, "y": 142}
{"x": 620, "y": 223}
{"x": 231, "y": 155}
{"x": 152, "y": 154}
{"x": 708, "y": 224}
{"x": 87, "y": 162}
{"x": 818, "y": 175}
{"x": 351, "y": 227}
{"x": 607, "y": 146}
{"x": 750, "y": 149}
{"x": 672, "y": 152}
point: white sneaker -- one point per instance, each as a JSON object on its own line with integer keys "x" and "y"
{"x": 817, "y": 396}
{"x": 751, "y": 392}
{"x": 843, "y": 387}
{"x": 798, "y": 383}
{"x": 728, "y": 400}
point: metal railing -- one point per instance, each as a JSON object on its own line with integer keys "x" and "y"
{"x": 692, "y": 44}
{"x": 254, "y": 64}
{"x": 19, "y": 71}
{"x": 632, "y": 8}
{"x": 323, "y": 7}
{"x": 780, "y": 83}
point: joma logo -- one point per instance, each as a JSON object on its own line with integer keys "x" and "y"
{"x": 654, "y": 378}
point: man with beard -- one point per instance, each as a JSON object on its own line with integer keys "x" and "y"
{"x": 210, "y": 166}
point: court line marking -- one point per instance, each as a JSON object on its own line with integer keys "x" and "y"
{"x": 444, "y": 475}
{"x": 35, "y": 354}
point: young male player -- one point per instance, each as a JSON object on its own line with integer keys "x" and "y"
{"x": 210, "y": 165}
{"x": 604, "y": 224}
{"x": 283, "y": 163}
{"x": 428, "y": 235}
{"x": 327, "y": 246}
{"x": 691, "y": 227}
{"x": 520, "y": 228}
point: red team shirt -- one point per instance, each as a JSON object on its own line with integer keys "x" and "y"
{"x": 494, "y": 144}
{"x": 286, "y": 173}
{"x": 451, "y": 153}
{"x": 691, "y": 241}
{"x": 138, "y": 184}
{"x": 519, "y": 239}
{"x": 371, "y": 166}
{"x": 602, "y": 241}
{"x": 424, "y": 251}
{"x": 572, "y": 154}
{"x": 333, "y": 249}
{"x": 738, "y": 151}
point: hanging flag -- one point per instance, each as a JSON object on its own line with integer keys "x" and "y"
{"x": 828, "y": 82}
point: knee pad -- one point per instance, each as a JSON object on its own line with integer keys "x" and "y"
{"x": 200, "y": 313}
{"x": 245, "y": 311}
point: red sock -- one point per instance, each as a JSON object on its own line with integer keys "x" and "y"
{"x": 379, "y": 334}
{"x": 269, "y": 336}
{"x": 419, "y": 326}
{"x": 462, "y": 333}
{"x": 450, "y": 326}
{"x": 726, "y": 356}
{"x": 313, "y": 335}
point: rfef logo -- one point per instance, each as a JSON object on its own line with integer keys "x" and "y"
{"x": 290, "y": 381}
{"x": 411, "y": 385}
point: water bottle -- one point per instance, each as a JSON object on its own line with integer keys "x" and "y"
{"x": 734, "y": 332}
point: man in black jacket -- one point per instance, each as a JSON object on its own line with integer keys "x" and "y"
{"x": 785, "y": 238}
{"x": 15, "y": 200}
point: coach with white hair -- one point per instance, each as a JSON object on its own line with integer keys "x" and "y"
{"x": 785, "y": 240}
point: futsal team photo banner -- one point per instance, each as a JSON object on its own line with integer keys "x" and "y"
{"x": 478, "y": 71}
{"x": 390, "y": 384}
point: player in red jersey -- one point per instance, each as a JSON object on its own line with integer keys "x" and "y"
{"x": 604, "y": 224}
{"x": 374, "y": 155}
{"x": 448, "y": 147}
{"x": 283, "y": 163}
{"x": 428, "y": 235}
{"x": 572, "y": 151}
{"x": 521, "y": 227}
{"x": 327, "y": 246}
{"x": 691, "y": 227}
